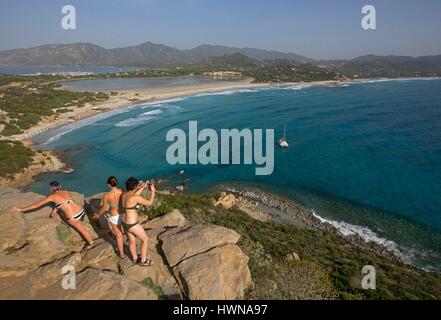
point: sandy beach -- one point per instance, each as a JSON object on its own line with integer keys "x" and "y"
{"x": 121, "y": 99}
{"x": 128, "y": 97}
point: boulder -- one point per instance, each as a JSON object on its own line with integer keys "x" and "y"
{"x": 219, "y": 274}
{"x": 158, "y": 272}
{"x": 50, "y": 274}
{"x": 174, "y": 219}
{"x": 293, "y": 256}
{"x": 182, "y": 243}
{"x": 42, "y": 245}
{"x": 93, "y": 284}
{"x": 27, "y": 286}
{"x": 12, "y": 230}
{"x": 101, "y": 257}
{"x": 36, "y": 239}
{"x": 226, "y": 200}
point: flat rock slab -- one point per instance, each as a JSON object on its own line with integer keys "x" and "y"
{"x": 183, "y": 243}
{"x": 219, "y": 274}
{"x": 174, "y": 219}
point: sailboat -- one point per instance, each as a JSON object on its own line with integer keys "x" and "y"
{"x": 282, "y": 142}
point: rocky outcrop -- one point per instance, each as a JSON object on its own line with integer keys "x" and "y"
{"x": 229, "y": 200}
{"x": 226, "y": 200}
{"x": 36, "y": 240}
{"x": 206, "y": 262}
{"x": 159, "y": 273}
{"x": 183, "y": 243}
{"x": 93, "y": 284}
{"x": 101, "y": 257}
{"x": 221, "y": 273}
{"x": 174, "y": 219}
{"x": 195, "y": 262}
{"x": 42, "y": 162}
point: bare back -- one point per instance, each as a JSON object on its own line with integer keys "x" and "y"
{"x": 64, "y": 201}
{"x": 113, "y": 200}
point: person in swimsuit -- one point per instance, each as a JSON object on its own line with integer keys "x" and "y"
{"x": 131, "y": 199}
{"x": 112, "y": 203}
{"x": 72, "y": 212}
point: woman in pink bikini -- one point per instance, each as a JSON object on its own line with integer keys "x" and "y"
{"x": 73, "y": 213}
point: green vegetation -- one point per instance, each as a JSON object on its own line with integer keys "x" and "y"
{"x": 25, "y": 100}
{"x": 63, "y": 233}
{"x": 329, "y": 267}
{"x": 14, "y": 157}
{"x": 276, "y": 71}
{"x": 148, "y": 282}
{"x": 10, "y": 250}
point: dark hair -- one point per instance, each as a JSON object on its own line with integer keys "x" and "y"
{"x": 55, "y": 185}
{"x": 112, "y": 181}
{"x": 131, "y": 183}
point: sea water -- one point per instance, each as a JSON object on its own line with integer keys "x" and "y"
{"x": 366, "y": 157}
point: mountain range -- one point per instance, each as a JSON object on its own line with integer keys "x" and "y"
{"x": 152, "y": 55}
{"x": 147, "y": 54}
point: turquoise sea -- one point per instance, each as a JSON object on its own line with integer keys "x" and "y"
{"x": 365, "y": 156}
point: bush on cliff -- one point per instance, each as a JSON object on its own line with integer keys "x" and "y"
{"x": 329, "y": 267}
{"x": 14, "y": 157}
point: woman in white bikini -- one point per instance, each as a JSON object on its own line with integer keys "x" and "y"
{"x": 72, "y": 212}
{"x": 131, "y": 199}
{"x": 112, "y": 203}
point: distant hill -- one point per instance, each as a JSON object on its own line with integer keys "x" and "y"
{"x": 147, "y": 54}
{"x": 398, "y": 66}
{"x": 230, "y": 61}
{"x": 205, "y": 51}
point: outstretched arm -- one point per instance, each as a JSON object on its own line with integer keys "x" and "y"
{"x": 103, "y": 208}
{"x": 35, "y": 205}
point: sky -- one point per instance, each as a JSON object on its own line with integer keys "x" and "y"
{"x": 319, "y": 29}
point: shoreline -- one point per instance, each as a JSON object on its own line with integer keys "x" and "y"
{"x": 300, "y": 215}
{"x": 152, "y": 95}
{"x": 132, "y": 97}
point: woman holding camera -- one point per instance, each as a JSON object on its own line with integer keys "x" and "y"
{"x": 131, "y": 199}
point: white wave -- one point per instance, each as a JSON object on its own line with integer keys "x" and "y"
{"x": 56, "y": 137}
{"x": 133, "y": 122}
{"x": 57, "y": 134}
{"x": 159, "y": 103}
{"x": 140, "y": 119}
{"x": 226, "y": 93}
{"x": 365, "y": 233}
{"x": 150, "y": 113}
{"x": 297, "y": 87}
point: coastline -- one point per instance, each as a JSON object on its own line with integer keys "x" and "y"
{"x": 289, "y": 207}
{"x": 129, "y": 97}
{"x": 299, "y": 215}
